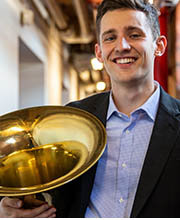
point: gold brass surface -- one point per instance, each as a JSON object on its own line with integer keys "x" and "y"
{"x": 45, "y": 147}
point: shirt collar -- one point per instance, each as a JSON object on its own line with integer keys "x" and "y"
{"x": 150, "y": 106}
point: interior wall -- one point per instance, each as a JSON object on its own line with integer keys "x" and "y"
{"x": 31, "y": 78}
{"x": 31, "y": 85}
{"x": 8, "y": 59}
{"x": 11, "y": 31}
{"x": 55, "y": 67}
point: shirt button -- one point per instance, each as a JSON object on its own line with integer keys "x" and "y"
{"x": 127, "y": 131}
{"x": 121, "y": 200}
{"x": 124, "y": 165}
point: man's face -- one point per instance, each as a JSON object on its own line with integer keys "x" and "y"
{"x": 126, "y": 46}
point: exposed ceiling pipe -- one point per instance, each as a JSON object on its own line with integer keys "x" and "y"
{"x": 57, "y": 14}
{"x": 67, "y": 33}
{"x": 86, "y": 35}
{"x": 42, "y": 10}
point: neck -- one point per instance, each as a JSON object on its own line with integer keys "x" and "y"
{"x": 129, "y": 98}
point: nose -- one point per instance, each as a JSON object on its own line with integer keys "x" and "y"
{"x": 122, "y": 44}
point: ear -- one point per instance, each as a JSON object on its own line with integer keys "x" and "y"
{"x": 98, "y": 53}
{"x": 161, "y": 44}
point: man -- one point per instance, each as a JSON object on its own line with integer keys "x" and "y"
{"x": 137, "y": 176}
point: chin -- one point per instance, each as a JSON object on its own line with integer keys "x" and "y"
{"x": 131, "y": 80}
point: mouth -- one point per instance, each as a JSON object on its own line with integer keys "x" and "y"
{"x": 125, "y": 60}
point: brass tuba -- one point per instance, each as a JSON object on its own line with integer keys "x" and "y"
{"x": 45, "y": 147}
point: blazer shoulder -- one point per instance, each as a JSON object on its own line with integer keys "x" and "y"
{"x": 89, "y": 101}
{"x": 169, "y": 104}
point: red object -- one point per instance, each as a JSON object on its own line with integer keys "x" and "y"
{"x": 95, "y": 1}
{"x": 178, "y": 46}
{"x": 161, "y": 63}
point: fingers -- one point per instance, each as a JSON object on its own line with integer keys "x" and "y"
{"x": 12, "y": 207}
{"x": 52, "y": 216}
{"x": 42, "y": 211}
{"x": 11, "y": 202}
{"x": 9, "y": 207}
{"x": 30, "y": 201}
{"x": 50, "y": 213}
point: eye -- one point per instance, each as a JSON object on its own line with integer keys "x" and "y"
{"x": 109, "y": 38}
{"x": 135, "y": 36}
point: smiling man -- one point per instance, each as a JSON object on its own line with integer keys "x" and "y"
{"x": 128, "y": 48}
{"x": 138, "y": 174}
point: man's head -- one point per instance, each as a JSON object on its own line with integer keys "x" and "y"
{"x": 140, "y": 5}
{"x": 127, "y": 45}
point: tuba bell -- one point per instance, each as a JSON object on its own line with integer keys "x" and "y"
{"x": 44, "y": 147}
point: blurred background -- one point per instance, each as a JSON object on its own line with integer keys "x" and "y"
{"x": 47, "y": 52}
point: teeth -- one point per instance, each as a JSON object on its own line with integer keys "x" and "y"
{"x": 125, "y": 60}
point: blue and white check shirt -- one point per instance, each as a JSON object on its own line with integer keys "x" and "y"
{"x": 119, "y": 168}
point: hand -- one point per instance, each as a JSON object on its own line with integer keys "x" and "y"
{"x": 13, "y": 208}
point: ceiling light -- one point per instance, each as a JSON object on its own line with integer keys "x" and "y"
{"x": 85, "y": 75}
{"x": 96, "y": 65}
{"x": 96, "y": 75}
{"x": 90, "y": 88}
{"x": 100, "y": 86}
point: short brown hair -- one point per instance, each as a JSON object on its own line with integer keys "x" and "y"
{"x": 140, "y": 5}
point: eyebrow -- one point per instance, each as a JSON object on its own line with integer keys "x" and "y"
{"x": 110, "y": 31}
{"x": 134, "y": 28}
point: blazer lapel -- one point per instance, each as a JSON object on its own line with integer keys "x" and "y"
{"x": 97, "y": 105}
{"x": 162, "y": 140}
{"x": 100, "y": 111}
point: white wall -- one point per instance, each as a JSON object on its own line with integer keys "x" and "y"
{"x": 8, "y": 59}
{"x": 11, "y": 31}
{"x": 31, "y": 85}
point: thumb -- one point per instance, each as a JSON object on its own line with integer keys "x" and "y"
{"x": 12, "y": 202}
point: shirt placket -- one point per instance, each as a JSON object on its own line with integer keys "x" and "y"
{"x": 122, "y": 186}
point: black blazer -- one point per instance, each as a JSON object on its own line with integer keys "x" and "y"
{"x": 158, "y": 192}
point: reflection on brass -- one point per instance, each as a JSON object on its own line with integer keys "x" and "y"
{"x": 40, "y": 165}
{"x": 45, "y": 147}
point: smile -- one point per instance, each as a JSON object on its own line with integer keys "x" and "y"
{"x": 124, "y": 60}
